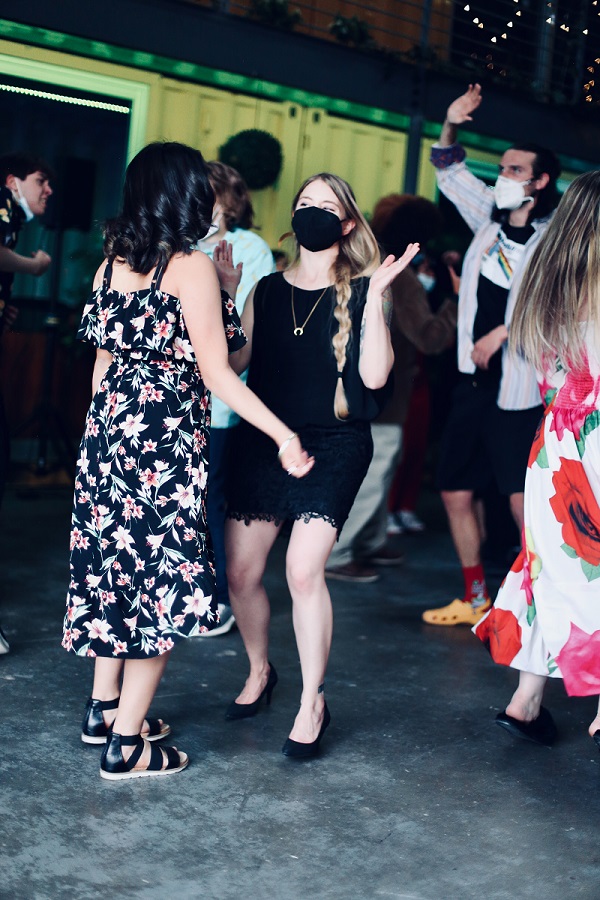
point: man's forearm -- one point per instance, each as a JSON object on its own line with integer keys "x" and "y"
{"x": 448, "y": 135}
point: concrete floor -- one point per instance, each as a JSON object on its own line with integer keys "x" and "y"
{"x": 417, "y": 794}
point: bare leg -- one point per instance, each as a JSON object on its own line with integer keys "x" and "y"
{"x": 595, "y": 726}
{"x": 308, "y": 551}
{"x": 141, "y": 678}
{"x": 107, "y": 686}
{"x": 479, "y": 510}
{"x": 464, "y": 526}
{"x": 247, "y": 549}
{"x": 517, "y": 508}
{"x": 527, "y": 699}
{"x": 107, "y": 678}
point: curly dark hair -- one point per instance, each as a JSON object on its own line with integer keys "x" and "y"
{"x": 167, "y": 207}
{"x": 231, "y": 191}
{"x": 400, "y": 219}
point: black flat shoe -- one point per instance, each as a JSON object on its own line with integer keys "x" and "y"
{"x": 114, "y": 767}
{"x": 596, "y": 739}
{"x": 246, "y": 710}
{"x": 95, "y": 731}
{"x": 541, "y": 731}
{"x": 298, "y": 750}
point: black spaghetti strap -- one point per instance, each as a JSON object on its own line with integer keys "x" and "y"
{"x": 158, "y": 274}
{"x": 107, "y": 275}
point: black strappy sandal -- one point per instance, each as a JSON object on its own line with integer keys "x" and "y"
{"x": 95, "y": 731}
{"x": 114, "y": 767}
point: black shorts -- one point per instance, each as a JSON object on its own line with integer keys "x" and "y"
{"x": 482, "y": 441}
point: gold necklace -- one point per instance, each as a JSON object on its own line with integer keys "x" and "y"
{"x": 299, "y": 329}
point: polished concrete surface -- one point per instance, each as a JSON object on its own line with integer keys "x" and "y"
{"x": 416, "y": 794}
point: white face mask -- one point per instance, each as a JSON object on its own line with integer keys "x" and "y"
{"x": 22, "y": 201}
{"x": 212, "y": 229}
{"x": 215, "y": 224}
{"x": 428, "y": 281}
{"x": 510, "y": 194}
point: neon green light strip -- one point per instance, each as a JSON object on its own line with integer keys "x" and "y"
{"x": 55, "y": 40}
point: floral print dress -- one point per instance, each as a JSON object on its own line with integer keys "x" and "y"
{"x": 142, "y": 573}
{"x": 546, "y": 617}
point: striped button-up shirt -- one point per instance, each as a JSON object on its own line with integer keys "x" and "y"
{"x": 475, "y": 202}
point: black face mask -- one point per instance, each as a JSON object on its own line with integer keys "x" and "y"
{"x": 315, "y": 228}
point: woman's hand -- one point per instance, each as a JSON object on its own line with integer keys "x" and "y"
{"x": 389, "y": 269}
{"x": 229, "y": 275}
{"x": 295, "y": 460}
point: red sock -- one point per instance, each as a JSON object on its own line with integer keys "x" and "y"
{"x": 476, "y": 591}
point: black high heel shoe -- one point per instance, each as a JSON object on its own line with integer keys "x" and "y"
{"x": 246, "y": 710}
{"x": 297, "y": 750}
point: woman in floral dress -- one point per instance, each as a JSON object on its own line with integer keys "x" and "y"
{"x": 546, "y": 618}
{"x": 142, "y": 574}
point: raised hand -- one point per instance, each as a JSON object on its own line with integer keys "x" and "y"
{"x": 460, "y": 110}
{"x": 229, "y": 275}
{"x": 389, "y": 269}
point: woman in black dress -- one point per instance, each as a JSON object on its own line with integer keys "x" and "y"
{"x": 319, "y": 345}
{"x": 142, "y": 574}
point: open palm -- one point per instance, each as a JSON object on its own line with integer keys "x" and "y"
{"x": 462, "y": 108}
{"x": 390, "y": 268}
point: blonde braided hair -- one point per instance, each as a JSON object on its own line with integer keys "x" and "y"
{"x": 358, "y": 256}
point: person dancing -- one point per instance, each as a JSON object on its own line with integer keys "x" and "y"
{"x": 232, "y": 220}
{"x": 546, "y": 619}
{"x": 319, "y": 348}
{"x": 142, "y": 573}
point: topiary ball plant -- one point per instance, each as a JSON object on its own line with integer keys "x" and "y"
{"x": 257, "y": 156}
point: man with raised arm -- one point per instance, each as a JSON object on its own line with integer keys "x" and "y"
{"x": 495, "y": 405}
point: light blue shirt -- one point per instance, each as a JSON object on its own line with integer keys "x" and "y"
{"x": 257, "y": 259}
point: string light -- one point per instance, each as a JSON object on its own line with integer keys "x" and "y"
{"x": 62, "y": 98}
{"x": 551, "y": 19}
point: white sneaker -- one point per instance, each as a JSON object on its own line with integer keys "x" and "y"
{"x": 409, "y": 521}
{"x": 227, "y": 621}
{"x": 4, "y": 645}
{"x": 393, "y": 524}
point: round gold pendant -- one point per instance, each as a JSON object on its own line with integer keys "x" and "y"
{"x": 298, "y": 331}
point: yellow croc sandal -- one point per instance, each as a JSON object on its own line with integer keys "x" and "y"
{"x": 456, "y": 613}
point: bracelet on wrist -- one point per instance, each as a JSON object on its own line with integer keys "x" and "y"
{"x": 286, "y": 444}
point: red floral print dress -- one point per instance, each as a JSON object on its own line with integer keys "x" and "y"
{"x": 546, "y": 617}
{"x": 142, "y": 574}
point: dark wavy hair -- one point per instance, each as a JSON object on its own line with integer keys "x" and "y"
{"x": 231, "y": 191}
{"x": 399, "y": 219}
{"x": 167, "y": 207}
{"x": 549, "y": 197}
{"x": 22, "y": 165}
